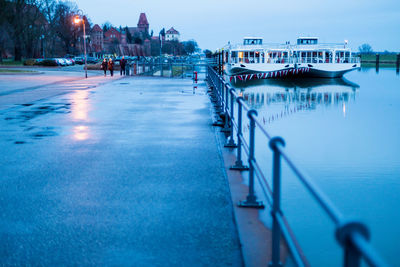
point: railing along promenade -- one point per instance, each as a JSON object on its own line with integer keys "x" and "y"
{"x": 352, "y": 236}
{"x": 166, "y": 69}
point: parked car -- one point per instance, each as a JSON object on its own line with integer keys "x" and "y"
{"x": 91, "y": 60}
{"x": 47, "y": 62}
{"x": 39, "y": 61}
{"x": 68, "y": 61}
{"x": 61, "y": 61}
{"x": 79, "y": 60}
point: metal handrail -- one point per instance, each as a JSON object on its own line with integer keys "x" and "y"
{"x": 353, "y": 236}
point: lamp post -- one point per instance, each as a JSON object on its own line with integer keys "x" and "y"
{"x": 77, "y": 20}
{"x": 161, "y": 35}
{"x": 42, "y": 44}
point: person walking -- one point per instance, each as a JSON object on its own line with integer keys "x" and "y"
{"x": 122, "y": 64}
{"x": 104, "y": 66}
{"x": 111, "y": 66}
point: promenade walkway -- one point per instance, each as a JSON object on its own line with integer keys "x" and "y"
{"x": 127, "y": 173}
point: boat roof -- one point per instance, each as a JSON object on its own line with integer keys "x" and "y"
{"x": 305, "y": 37}
{"x": 286, "y": 47}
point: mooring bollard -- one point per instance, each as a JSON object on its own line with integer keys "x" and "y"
{"x": 239, "y": 164}
{"x": 194, "y": 81}
{"x": 276, "y": 200}
{"x": 251, "y": 200}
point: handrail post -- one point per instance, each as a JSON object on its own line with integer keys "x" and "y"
{"x": 221, "y": 94}
{"x": 239, "y": 163}
{"x": 220, "y": 106}
{"x": 231, "y": 141}
{"x": 352, "y": 257}
{"x": 225, "y": 92}
{"x": 276, "y": 200}
{"x": 215, "y": 95}
{"x": 251, "y": 200}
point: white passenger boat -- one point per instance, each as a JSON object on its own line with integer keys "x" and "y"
{"x": 254, "y": 60}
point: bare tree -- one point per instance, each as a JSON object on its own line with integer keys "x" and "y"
{"x": 365, "y": 49}
{"x": 23, "y": 22}
{"x": 64, "y": 28}
{"x": 49, "y": 12}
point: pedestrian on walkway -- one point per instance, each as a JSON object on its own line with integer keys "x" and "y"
{"x": 122, "y": 63}
{"x": 104, "y": 66}
{"x": 111, "y": 66}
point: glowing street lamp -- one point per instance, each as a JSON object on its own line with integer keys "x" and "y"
{"x": 78, "y": 19}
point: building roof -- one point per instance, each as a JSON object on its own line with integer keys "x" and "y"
{"x": 113, "y": 31}
{"x": 172, "y": 31}
{"x": 143, "y": 20}
{"x": 96, "y": 28}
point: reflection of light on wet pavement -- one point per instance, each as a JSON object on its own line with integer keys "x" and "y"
{"x": 79, "y": 111}
{"x": 81, "y": 132}
{"x": 80, "y": 105}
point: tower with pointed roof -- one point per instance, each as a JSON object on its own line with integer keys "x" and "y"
{"x": 143, "y": 24}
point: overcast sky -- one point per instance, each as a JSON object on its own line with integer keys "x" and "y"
{"x": 212, "y": 23}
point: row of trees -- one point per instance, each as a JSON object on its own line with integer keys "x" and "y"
{"x": 34, "y": 27}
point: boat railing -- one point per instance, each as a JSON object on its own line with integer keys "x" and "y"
{"x": 330, "y": 46}
{"x": 277, "y": 46}
{"x": 352, "y": 236}
{"x": 257, "y": 47}
{"x": 290, "y": 60}
{"x": 326, "y": 60}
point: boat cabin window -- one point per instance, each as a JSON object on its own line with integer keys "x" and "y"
{"x": 246, "y": 57}
{"x": 307, "y": 41}
{"x": 257, "y": 57}
{"x": 342, "y": 57}
{"x": 251, "y": 57}
{"x": 328, "y": 57}
{"x": 278, "y": 57}
{"x": 252, "y": 41}
{"x": 234, "y": 58}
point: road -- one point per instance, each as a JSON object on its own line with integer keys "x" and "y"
{"x": 109, "y": 171}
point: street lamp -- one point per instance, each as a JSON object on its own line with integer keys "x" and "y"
{"x": 42, "y": 44}
{"x": 77, "y": 20}
{"x": 161, "y": 35}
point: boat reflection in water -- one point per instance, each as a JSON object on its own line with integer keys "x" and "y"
{"x": 287, "y": 96}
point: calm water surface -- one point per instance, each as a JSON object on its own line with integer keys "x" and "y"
{"x": 344, "y": 133}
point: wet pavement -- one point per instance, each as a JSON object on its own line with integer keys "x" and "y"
{"x": 113, "y": 172}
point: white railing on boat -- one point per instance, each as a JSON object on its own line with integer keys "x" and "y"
{"x": 291, "y": 60}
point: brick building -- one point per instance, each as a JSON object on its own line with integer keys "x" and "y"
{"x": 97, "y": 39}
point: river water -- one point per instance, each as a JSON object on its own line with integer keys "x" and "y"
{"x": 344, "y": 133}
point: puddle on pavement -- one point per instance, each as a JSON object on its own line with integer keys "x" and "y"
{"x": 34, "y": 112}
{"x": 19, "y": 121}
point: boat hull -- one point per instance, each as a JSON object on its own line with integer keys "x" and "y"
{"x": 281, "y": 70}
